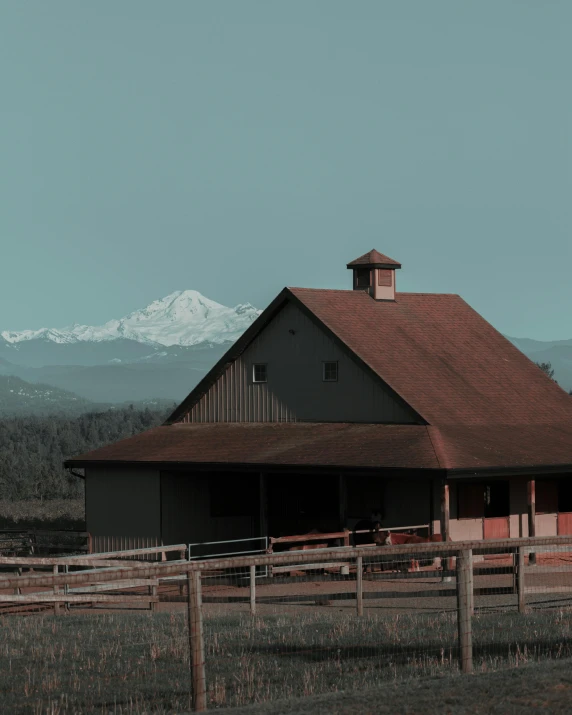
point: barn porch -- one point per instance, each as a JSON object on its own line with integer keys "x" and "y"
{"x": 240, "y": 504}
{"x": 189, "y": 504}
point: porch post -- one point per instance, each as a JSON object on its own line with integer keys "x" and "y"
{"x": 445, "y": 512}
{"x": 531, "y": 515}
{"x": 447, "y": 563}
{"x": 263, "y": 504}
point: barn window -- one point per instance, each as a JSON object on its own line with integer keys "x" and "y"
{"x": 363, "y": 277}
{"x": 384, "y": 277}
{"x": 260, "y": 372}
{"x": 330, "y": 371}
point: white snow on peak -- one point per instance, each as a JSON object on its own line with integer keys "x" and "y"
{"x": 184, "y": 317}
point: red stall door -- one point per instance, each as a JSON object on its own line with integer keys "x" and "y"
{"x": 564, "y": 523}
{"x": 496, "y": 527}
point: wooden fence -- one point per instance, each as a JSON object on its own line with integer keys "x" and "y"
{"x": 107, "y": 572}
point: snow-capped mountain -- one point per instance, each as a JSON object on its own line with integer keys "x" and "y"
{"x": 182, "y": 318}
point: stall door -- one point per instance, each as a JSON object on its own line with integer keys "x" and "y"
{"x": 489, "y": 502}
{"x": 496, "y": 523}
{"x": 565, "y": 506}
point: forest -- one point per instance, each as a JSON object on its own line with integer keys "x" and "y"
{"x": 33, "y": 448}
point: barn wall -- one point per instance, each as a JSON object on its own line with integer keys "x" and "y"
{"x": 295, "y": 389}
{"x": 122, "y": 508}
{"x": 186, "y": 512}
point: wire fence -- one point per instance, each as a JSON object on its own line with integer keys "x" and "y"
{"x": 254, "y": 628}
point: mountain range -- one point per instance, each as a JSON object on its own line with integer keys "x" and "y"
{"x": 158, "y": 352}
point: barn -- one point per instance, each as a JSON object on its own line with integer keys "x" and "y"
{"x": 338, "y": 403}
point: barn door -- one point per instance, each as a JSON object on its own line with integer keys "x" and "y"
{"x": 496, "y": 523}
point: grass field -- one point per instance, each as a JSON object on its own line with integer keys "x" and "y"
{"x": 136, "y": 663}
{"x": 43, "y": 514}
{"x": 534, "y": 688}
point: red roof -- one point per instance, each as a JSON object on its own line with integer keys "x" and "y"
{"x": 374, "y": 258}
{"x": 441, "y": 357}
{"x": 486, "y": 405}
{"x": 341, "y": 445}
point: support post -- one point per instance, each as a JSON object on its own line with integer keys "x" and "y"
{"x": 520, "y": 585}
{"x": 253, "y": 590}
{"x": 445, "y": 529}
{"x": 359, "y": 585}
{"x": 56, "y": 590}
{"x": 196, "y": 642}
{"x": 153, "y": 592}
{"x": 531, "y": 515}
{"x": 464, "y": 568}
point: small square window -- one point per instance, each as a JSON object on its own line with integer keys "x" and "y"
{"x": 259, "y": 372}
{"x": 330, "y": 371}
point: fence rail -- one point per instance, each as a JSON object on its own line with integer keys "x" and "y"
{"x": 107, "y": 579}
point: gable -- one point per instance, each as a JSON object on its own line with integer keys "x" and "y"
{"x": 294, "y": 347}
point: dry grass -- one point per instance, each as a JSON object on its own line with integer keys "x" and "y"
{"x": 136, "y": 663}
{"x": 38, "y": 514}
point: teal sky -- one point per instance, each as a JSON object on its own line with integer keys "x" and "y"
{"x": 235, "y": 147}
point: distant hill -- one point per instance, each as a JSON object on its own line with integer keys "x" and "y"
{"x": 556, "y": 352}
{"x": 19, "y": 398}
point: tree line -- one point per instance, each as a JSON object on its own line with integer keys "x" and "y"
{"x": 33, "y": 448}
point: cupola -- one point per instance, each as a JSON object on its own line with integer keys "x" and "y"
{"x": 375, "y": 273}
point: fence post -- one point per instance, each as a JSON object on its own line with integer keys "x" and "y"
{"x": 66, "y": 587}
{"x": 196, "y": 642}
{"x": 471, "y": 585}
{"x": 359, "y": 585}
{"x": 464, "y": 568}
{"x": 253, "y": 590}
{"x": 520, "y": 579}
{"x": 56, "y": 590}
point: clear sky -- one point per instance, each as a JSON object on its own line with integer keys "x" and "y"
{"x": 235, "y": 147}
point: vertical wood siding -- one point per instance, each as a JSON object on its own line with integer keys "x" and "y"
{"x": 294, "y": 349}
{"x": 102, "y": 544}
{"x": 122, "y": 508}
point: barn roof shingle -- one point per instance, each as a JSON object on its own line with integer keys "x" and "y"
{"x": 343, "y": 445}
{"x": 374, "y": 258}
